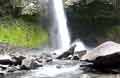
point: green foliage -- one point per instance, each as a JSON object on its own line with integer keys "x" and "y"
{"x": 9, "y": 7}
{"x": 5, "y": 7}
{"x": 94, "y": 20}
{"x": 113, "y": 33}
{"x": 20, "y": 33}
{"x": 96, "y": 13}
{"x": 22, "y": 7}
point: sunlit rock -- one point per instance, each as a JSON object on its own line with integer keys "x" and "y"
{"x": 104, "y": 49}
{"x": 104, "y": 58}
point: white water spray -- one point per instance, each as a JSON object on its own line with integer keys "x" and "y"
{"x": 59, "y": 31}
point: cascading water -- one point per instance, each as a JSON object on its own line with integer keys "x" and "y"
{"x": 59, "y": 31}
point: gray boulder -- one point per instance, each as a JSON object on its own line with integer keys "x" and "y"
{"x": 104, "y": 58}
{"x": 104, "y": 49}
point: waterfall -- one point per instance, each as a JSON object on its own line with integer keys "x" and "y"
{"x": 59, "y": 32}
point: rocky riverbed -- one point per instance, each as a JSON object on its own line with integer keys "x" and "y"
{"x": 58, "y": 69}
{"x": 45, "y": 64}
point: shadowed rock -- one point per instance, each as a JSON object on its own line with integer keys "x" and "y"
{"x": 108, "y": 63}
{"x": 104, "y": 64}
{"x": 6, "y": 62}
{"x": 75, "y": 58}
{"x": 13, "y": 61}
{"x": 67, "y": 53}
{"x": 18, "y": 60}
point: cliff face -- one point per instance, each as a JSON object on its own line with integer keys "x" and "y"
{"x": 95, "y": 22}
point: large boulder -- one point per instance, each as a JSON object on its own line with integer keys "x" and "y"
{"x": 104, "y": 58}
{"x": 104, "y": 49}
{"x": 11, "y": 60}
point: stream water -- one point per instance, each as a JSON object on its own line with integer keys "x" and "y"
{"x": 58, "y": 69}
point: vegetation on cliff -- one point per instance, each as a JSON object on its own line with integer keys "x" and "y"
{"x": 21, "y": 26}
{"x": 97, "y": 21}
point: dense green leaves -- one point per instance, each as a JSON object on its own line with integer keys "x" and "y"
{"x": 94, "y": 20}
{"x": 93, "y": 13}
{"x": 20, "y": 23}
{"x": 20, "y": 33}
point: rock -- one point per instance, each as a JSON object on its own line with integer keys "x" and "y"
{"x": 35, "y": 64}
{"x": 75, "y": 58}
{"x": 104, "y": 58}
{"x": 12, "y": 61}
{"x": 23, "y": 67}
{"x": 18, "y": 60}
{"x": 12, "y": 69}
{"x": 3, "y": 67}
{"x": 80, "y": 53}
{"x": 49, "y": 60}
{"x": 69, "y": 57}
{"x": 67, "y": 53}
{"x": 77, "y": 49}
{"x": 111, "y": 61}
{"x": 58, "y": 66}
{"x": 6, "y": 62}
{"x": 104, "y": 49}
{"x": 26, "y": 63}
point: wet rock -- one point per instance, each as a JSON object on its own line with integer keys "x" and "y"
{"x": 12, "y": 69}
{"x": 75, "y": 58}
{"x": 12, "y": 61}
{"x": 67, "y": 53}
{"x": 35, "y": 64}
{"x": 26, "y": 64}
{"x": 23, "y": 67}
{"x": 49, "y": 60}
{"x": 77, "y": 55}
{"x": 58, "y": 66}
{"x": 6, "y": 62}
{"x": 69, "y": 57}
{"x": 3, "y": 67}
{"x": 18, "y": 60}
